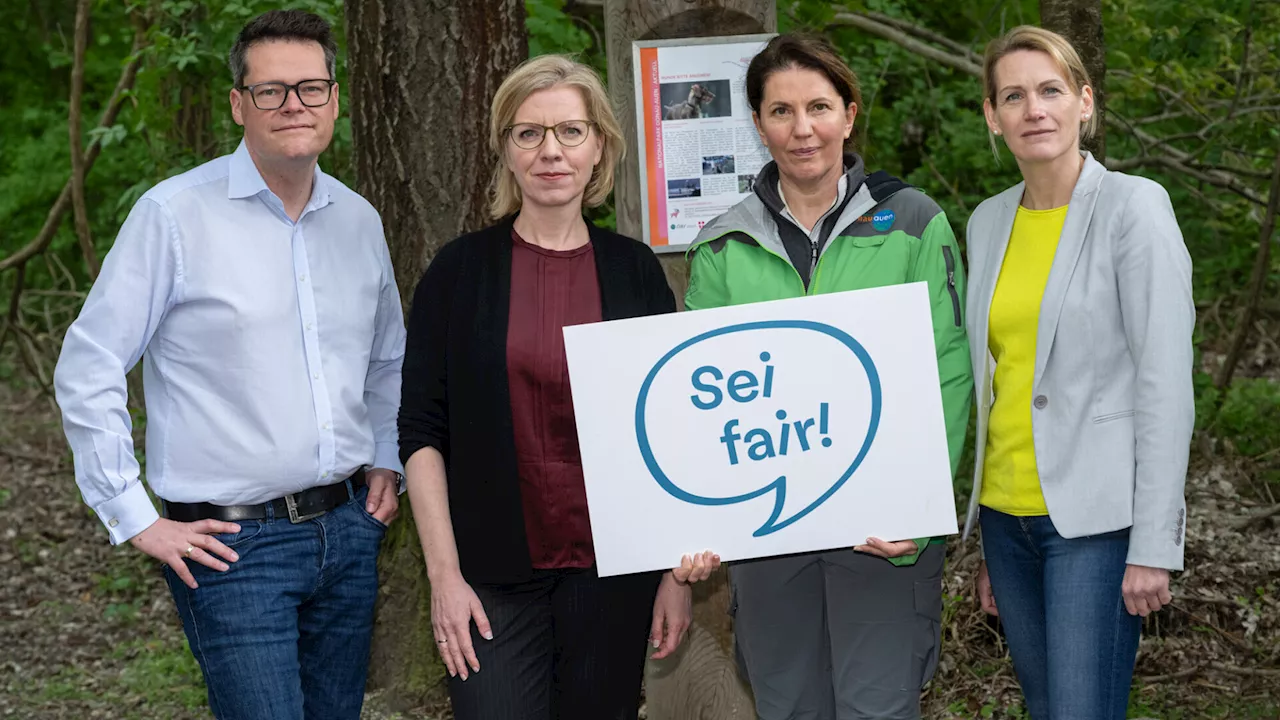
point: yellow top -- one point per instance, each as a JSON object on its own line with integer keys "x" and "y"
{"x": 1010, "y": 480}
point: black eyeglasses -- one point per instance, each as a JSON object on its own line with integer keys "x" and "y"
{"x": 570, "y": 133}
{"x": 273, "y": 95}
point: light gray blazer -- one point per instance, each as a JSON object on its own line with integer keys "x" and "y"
{"x": 1113, "y": 408}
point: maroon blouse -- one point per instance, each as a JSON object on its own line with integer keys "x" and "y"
{"x": 550, "y": 289}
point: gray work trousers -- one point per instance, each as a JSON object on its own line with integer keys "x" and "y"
{"x": 837, "y": 635}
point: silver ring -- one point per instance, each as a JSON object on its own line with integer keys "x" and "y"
{"x": 443, "y": 642}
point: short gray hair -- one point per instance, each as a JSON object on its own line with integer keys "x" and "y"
{"x": 287, "y": 25}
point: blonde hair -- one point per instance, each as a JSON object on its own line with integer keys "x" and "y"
{"x": 1058, "y": 48}
{"x": 542, "y": 73}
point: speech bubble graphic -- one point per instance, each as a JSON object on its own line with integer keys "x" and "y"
{"x": 745, "y": 387}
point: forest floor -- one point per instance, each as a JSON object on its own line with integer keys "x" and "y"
{"x": 89, "y": 631}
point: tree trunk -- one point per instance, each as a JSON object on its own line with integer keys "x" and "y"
{"x": 1080, "y": 21}
{"x": 701, "y": 679}
{"x": 422, "y": 75}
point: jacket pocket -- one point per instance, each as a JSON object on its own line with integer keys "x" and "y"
{"x": 1113, "y": 416}
{"x": 950, "y": 260}
{"x": 927, "y": 634}
{"x": 865, "y": 241}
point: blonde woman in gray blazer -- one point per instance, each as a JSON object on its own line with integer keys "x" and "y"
{"x": 1080, "y": 323}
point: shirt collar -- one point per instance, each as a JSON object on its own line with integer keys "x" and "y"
{"x": 245, "y": 181}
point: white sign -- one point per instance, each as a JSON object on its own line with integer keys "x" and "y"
{"x": 699, "y": 150}
{"x": 762, "y": 429}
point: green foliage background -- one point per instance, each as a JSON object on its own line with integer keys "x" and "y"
{"x": 919, "y": 120}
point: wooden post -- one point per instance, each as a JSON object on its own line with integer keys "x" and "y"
{"x": 701, "y": 679}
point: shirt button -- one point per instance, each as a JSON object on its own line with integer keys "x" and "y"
{"x": 308, "y": 326}
{"x": 1040, "y": 402}
{"x": 315, "y": 376}
{"x": 114, "y": 522}
{"x": 327, "y": 426}
{"x": 302, "y": 278}
{"x": 324, "y": 475}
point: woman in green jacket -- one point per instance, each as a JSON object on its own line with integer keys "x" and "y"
{"x": 847, "y": 633}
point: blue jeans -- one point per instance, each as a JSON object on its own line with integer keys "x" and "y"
{"x": 284, "y": 633}
{"x": 1072, "y": 641}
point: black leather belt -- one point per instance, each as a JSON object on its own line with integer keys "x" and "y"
{"x": 298, "y": 507}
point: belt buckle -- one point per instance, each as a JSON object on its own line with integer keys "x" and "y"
{"x": 294, "y": 517}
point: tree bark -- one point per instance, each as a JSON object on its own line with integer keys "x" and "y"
{"x": 629, "y": 20}
{"x": 422, "y": 75}
{"x": 1080, "y": 21}
{"x": 700, "y": 680}
{"x": 81, "y": 212}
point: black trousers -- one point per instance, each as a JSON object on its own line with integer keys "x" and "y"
{"x": 567, "y": 645}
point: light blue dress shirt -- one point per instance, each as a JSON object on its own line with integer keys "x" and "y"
{"x": 271, "y": 348}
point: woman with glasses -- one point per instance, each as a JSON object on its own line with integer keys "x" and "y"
{"x": 525, "y": 626}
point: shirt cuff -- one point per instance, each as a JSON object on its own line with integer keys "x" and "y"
{"x": 128, "y": 513}
{"x": 387, "y": 455}
{"x": 921, "y": 544}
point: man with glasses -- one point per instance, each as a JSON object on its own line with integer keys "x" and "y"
{"x": 259, "y": 294}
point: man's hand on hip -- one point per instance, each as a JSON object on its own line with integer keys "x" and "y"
{"x": 172, "y": 542}
{"x": 384, "y": 500}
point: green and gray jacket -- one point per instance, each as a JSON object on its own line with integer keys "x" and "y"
{"x": 881, "y": 232}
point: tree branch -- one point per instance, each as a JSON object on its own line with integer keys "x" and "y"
{"x": 52, "y": 220}
{"x": 1180, "y": 675}
{"x": 1255, "y": 672}
{"x": 1178, "y": 161}
{"x": 31, "y": 358}
{"x": 1173, "y": 94}
{"x": 955, "y": 192}
{"x": 1257, "y": 283}
{"x": 1244, "y": 61}
{"x": 11, "y": 318}
{"x": 896, "y": 35}
{"x": 1256, "y": 516}
{"x": 1242, "y": 172}
{"x": 77, "y": 144}
{"x": 926, "y": 34}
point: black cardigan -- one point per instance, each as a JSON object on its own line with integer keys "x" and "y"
{"x": 455, "y": 396}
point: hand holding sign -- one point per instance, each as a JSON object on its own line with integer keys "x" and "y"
{"x": 876, "y": 546}
{"x": 697, "y": 568}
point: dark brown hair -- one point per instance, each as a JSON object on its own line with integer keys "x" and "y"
{"x": 801, "y": 50}
{"x": 289, "y": 25}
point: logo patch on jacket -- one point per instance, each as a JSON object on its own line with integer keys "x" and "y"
{"x": 881, "y": 221}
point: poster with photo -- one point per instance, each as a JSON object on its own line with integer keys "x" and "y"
{"x": 699, "y": 151}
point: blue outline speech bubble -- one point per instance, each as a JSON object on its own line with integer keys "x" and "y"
{"x": 779, "y": 486}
